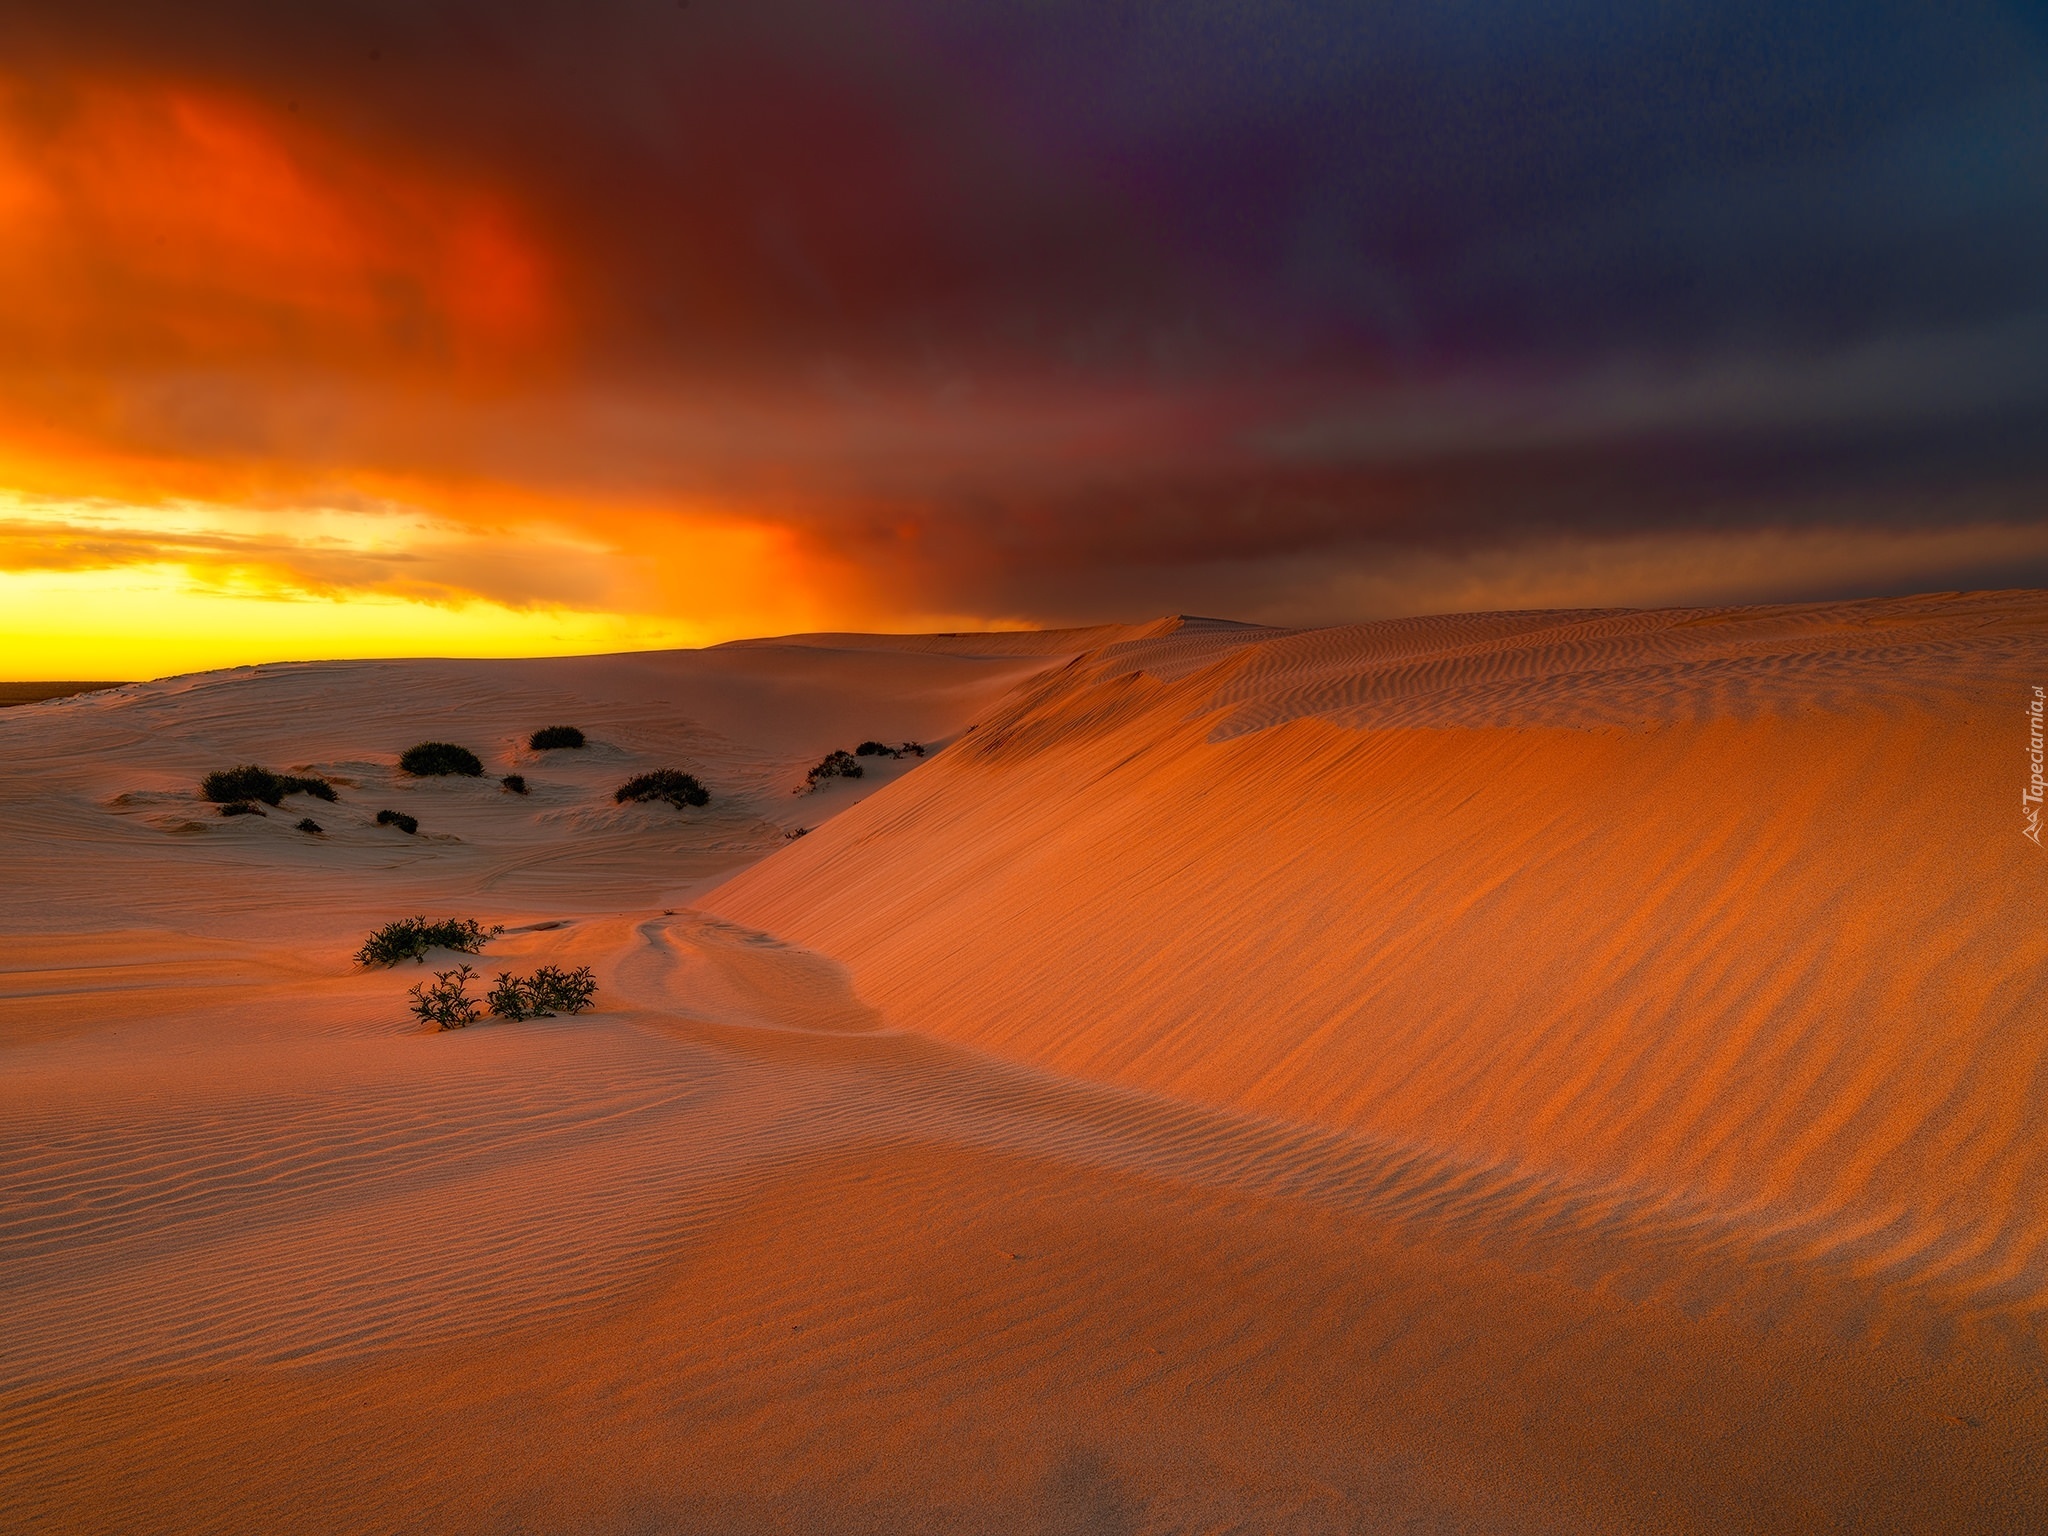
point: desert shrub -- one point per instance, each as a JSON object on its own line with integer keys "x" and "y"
{"x": 793, "y": 833}
{"x": 547, "y": 992}
{"x": 308, "y": 824}
{"x": 398, "y": 819}
{"x": 553, "y": 736}
{"x": 559, "y": 991}
{"x": 445, "y": 1000}
{"x": 239, "y": 808}
{"x": 516, "y": 782}
{"x": 507, "y": 1000}
{"x": 249, "y": 782}
{"x": 434, "y": 758}
{"x": 837, "y": 765}
{"x": 679, "y": 789}
{"x": 883, "y": 749}
{"x": 409, "y": 938}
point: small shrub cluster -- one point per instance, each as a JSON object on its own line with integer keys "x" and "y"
{"x": 837, "y": 765}
{"x": 445, "y": 1000}
{"x": 679, "y": 789}
{"x": 404, "y": 823}
{"x": 547, "y": 992}
{"x": 308, "y": 824}
{"x": 432, "y": 759}
{"x": 409, "y": 938}
{"x": 250, "y": 782}
{"x": 554, "y": 736}
{"x": 883, "y": 749}
{"x": 516, "y": 782}
{"x": 239, "y": 808}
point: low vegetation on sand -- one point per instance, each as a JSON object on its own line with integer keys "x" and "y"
{"x": 239, "y": 808}
{"x": 547, "y": 992}
{"x": 679, "y": 789}
{"x": 433, "y": 759}
{"x": 225, "y": 786}
{"x": 837, "y": 765}
{"x": 883, "y": 749}
{"x": 309, "y": 825}
{"x": 445, "y": 1000}
{"x": 516, "y": 782}
{"x": 554, "y": 736}
{"x": 404, "y": 823}
{"x": 409, "y": 938}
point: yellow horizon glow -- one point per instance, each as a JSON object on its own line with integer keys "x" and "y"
{"x": 99, "y": 588}
{"x": 141, "y": 622}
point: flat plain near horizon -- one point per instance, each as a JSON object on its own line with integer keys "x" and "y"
{"x": 1529, "y": 1072}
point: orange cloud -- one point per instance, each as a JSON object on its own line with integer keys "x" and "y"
{"x": 164, "y": 224}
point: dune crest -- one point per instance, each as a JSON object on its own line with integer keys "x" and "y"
{"x": 1725, "y": 909}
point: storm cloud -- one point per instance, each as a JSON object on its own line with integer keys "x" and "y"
{"x": 1063, "y": 311}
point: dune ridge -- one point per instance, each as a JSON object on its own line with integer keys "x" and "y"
{"x": 1726, "y": 908}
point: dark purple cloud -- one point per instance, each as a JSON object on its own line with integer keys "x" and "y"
{"x": 1062, "y": 309}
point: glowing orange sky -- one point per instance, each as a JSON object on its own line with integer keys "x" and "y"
{"x": 438, "y": 329}
{"x": 150, "y": 232}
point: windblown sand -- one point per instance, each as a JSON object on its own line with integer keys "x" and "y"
{"x": 1545, "y": 1072}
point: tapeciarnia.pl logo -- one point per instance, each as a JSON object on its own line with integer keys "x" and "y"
{"x": 2030, "y": 797}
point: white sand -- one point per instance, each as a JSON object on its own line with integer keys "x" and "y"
{"x": 1543, "y": 1072}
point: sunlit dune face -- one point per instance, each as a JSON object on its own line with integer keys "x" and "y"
{"x": 161, "y": 224}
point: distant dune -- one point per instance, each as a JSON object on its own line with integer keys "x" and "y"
{"x": 1540, "y": 1072}
{"x": 36, "y": 693}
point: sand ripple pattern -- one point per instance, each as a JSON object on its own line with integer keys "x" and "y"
{"x": 1729, "y": 908}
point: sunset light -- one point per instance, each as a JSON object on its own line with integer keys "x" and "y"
{"x": 1023, "y": 768}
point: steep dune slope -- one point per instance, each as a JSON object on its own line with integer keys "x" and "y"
{"x": 1726, "y": 915}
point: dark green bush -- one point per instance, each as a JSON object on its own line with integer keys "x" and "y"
{"x": 431, "y": 759}
{"x": 516, "y": 782}
{"x": 308, "y": 824}
{"x": 559, "y": 991}
{"x": 249, "y": 782}
{"x": 837, "y": 765}
{"x": 874, "y": 749}
{"x": 679, "y": 789}
{"x": 547, "y": 992}
{"x": 553, "y": 736}
{"x": 239, "y": 808}
{"x": 404, "y": 823}
{"x": 409, "y": 938}
{"x": 445, "y": 1000}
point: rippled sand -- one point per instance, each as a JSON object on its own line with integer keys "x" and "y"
{"x": 1539, "y": 1072}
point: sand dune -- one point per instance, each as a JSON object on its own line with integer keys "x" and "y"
{"x": 1534, "y": 1072}
{"x": 1729, "y": 909}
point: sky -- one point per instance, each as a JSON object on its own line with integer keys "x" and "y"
{"x": 417, "y": 327}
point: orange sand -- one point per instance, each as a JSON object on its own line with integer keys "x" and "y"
{"x": 1518, "y": 1073}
